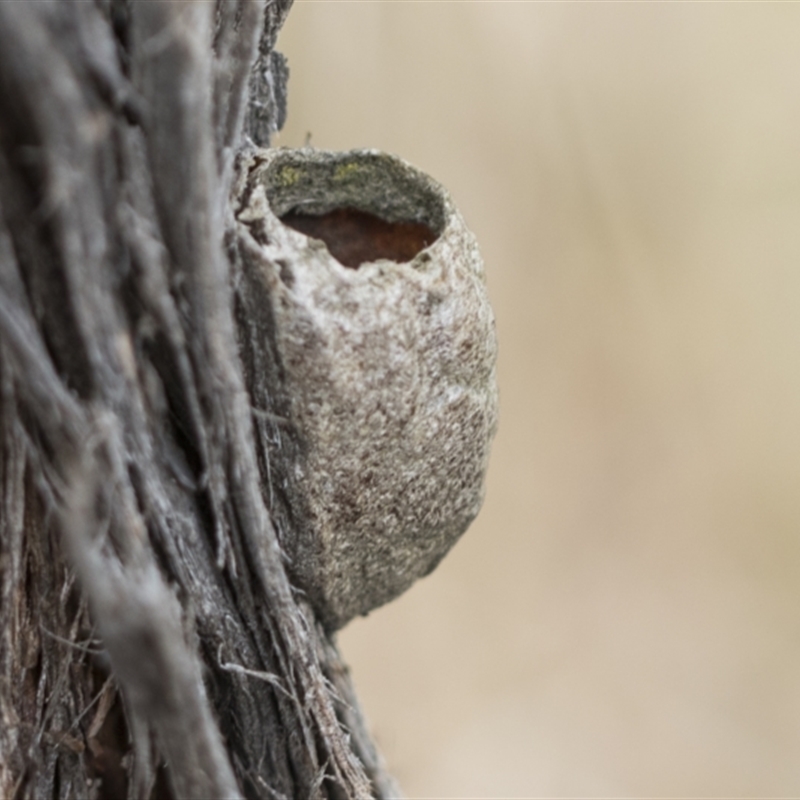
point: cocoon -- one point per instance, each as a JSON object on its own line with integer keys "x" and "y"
{"x": 370, "y": 358}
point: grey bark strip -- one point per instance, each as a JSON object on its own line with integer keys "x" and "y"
{"x": 127, "y": 454}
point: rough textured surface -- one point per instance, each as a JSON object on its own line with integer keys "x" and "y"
{"x": 388, "y": 374}
{"x": 150, "y": 642}
{"x": 266, "y": 110}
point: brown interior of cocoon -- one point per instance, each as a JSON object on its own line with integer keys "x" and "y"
{"x": 355, "y": 237}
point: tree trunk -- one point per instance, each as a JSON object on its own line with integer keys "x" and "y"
{"x": 152, "y": 645}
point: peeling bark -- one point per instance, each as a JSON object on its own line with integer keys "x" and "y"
{"x": 151, "y": 645}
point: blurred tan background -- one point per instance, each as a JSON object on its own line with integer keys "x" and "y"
{"x": 622, "y": 619}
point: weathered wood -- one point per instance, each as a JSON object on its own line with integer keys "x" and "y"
{"x": 150, "y": 642}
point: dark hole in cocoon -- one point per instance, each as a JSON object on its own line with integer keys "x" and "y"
{"x": 355, "y": 237}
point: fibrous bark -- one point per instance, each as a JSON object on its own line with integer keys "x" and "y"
{"x": 151, "y": 644}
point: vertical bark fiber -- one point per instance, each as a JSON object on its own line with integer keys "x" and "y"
{"x": 151, "y": 645}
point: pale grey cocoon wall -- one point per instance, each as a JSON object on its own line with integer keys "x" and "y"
{"x": 375, "y": 322}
